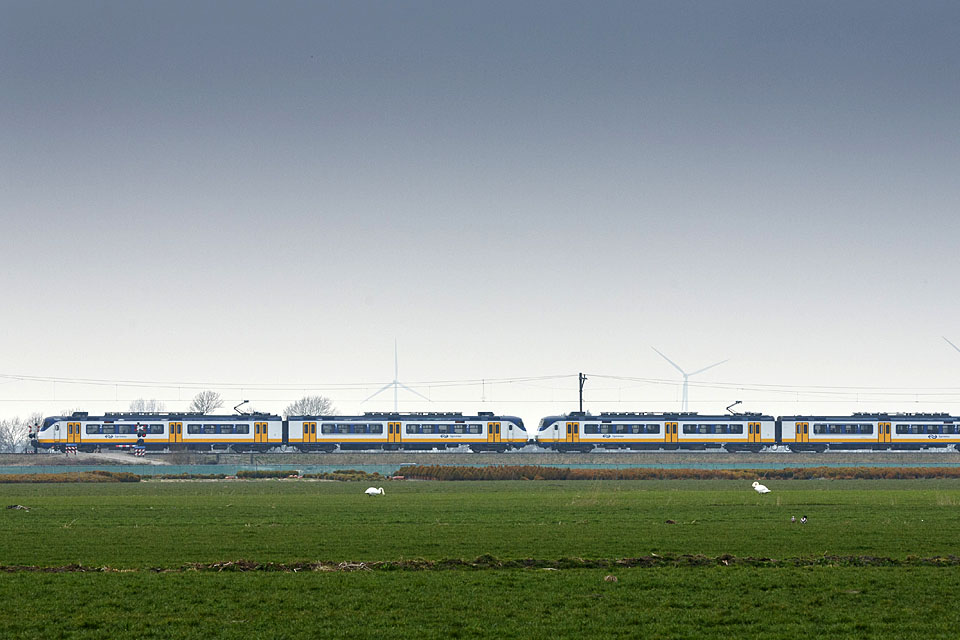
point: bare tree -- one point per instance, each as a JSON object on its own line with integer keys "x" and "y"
{"x": 147, "y": 406}
{"x": 310, "y": 406}
{"x": 206, "y": 401}
{"x": 13, "y": 433}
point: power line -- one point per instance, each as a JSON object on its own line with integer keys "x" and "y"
{"x": 257, "y": 386}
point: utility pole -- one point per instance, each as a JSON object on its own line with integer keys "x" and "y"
{"x": 583, "y": 379}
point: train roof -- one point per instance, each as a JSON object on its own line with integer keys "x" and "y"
{"x": 609, "y": 415}
{"x": 893, "y": 417}
{"x": 172, "y": 415}
{"x": 425, "y": 415}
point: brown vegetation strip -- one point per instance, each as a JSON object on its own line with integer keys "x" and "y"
{"x": 490, "y": 562}
{"x": 535, "y": 472}
{"x": 524, "y": 472}
{"x": 70, "y": 476}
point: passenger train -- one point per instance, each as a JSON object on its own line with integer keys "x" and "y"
{"x": 747, "y": 431}
{"x": 262, "y": 432}
{"x": 487, "y": 431}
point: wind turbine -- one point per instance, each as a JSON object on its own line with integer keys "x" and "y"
{"x": 396, "y": 384}
{"x": 951, "y": 344}
{"x": 686, "y": 375}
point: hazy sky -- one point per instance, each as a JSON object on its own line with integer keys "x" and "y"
{"x": 238, "y": 195}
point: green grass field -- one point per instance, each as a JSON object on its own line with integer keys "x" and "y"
{"x": 150, "y": 526}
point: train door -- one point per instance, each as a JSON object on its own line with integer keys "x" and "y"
{"x": 573, "y": 432}
{"x": 73, "y": 432}
{"x": 393, "y": 432}
{"x": 493, "y": 432}
{"x": 309, "y": 431}
{"x": 670, "y": 432}
{"x": 753, "y": 432}
{"x": 802, "y": 431}
{"x": 260, "y": 432}
{"x": 883, "y": 432}
{"x": 176, "y": 432}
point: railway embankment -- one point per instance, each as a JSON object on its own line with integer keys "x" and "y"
{"x": 346, "y": 460}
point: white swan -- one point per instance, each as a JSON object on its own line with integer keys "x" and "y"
{"x": 759, "y": 488}
{"x": 374, "y": 491}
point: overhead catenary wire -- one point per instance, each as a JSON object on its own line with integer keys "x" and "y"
{"x": 479, "y": 382}
{"x": 254, "y": 386}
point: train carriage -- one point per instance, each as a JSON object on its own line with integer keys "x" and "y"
{"x": 870, "y": 431}
{"x": 583, "y": 432}
{"x": 482, "y": 432}
{"x": 161, "y": 431}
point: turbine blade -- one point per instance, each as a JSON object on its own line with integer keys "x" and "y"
{"x": 951, "y": 344}
{"x": 675, "y": 366}
{"x": 716, "y": 364}
{"x": 414, "y": 391}
{"x": 384, "y": 388}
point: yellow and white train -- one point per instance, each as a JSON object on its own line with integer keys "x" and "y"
{"x": 486, "y": 431}
{"x": 748, "y": 432}
{"x": 261, "y": 432}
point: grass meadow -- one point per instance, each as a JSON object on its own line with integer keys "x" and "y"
{"x": 149, "y": 533}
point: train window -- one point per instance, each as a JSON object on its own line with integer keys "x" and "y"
{"x": 689, "y": 428}
{"x": 459, "y": 428}
{"x": 819, "y": 428}
{"x": 476, "y": 428}
{"x": 225, "y": 428}
{"x": 736, "y": 428}
{"x": 443, "y": 428}
{"x": 343, "y": 428}
{"x": 194, "y": 428}
{"x": 155, "y": 428}
{"x": 328, "y": 428}
{"x": 720, "y": 428}
{"x": 242, "y": 428}
{"x": 93, "y": 428}
{"x": 903, "y": 428}
{"x": 653, "y": 428}
{"x": 590, "y": 428}
{"x": 376, "y": 428}
{"x": 109, "y": 428}
{"x": 125, "y": 428}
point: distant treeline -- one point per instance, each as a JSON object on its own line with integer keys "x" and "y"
{"x": 533, "y": 472}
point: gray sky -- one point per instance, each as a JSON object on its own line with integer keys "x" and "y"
{"x": 240, "y": 195}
